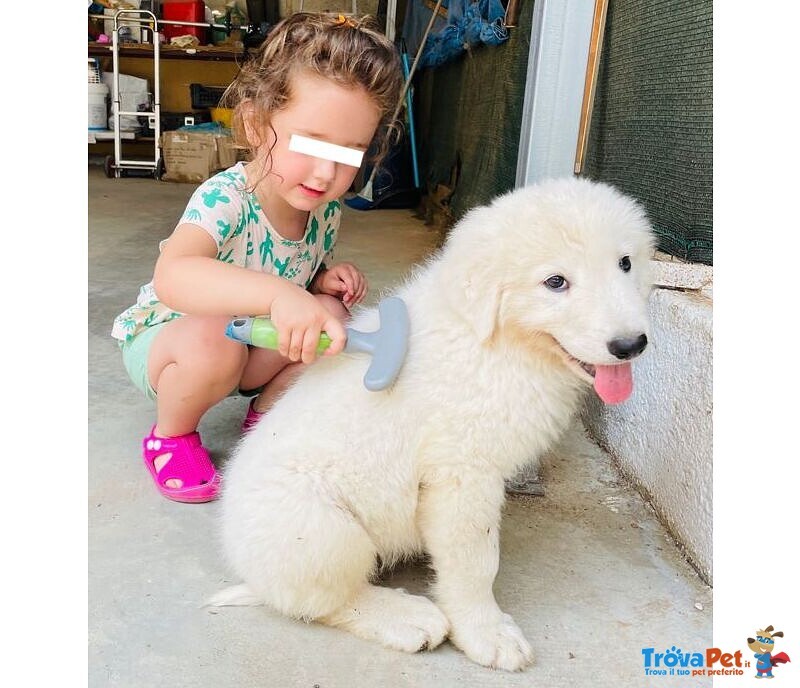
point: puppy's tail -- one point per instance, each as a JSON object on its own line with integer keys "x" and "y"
{"x": 235, "y": 596}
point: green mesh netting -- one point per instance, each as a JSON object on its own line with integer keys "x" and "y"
{"x": 651, "y": 131}
{"x": 470, "y": 112}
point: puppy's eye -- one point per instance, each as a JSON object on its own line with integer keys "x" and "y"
{"x": 625, "y": 264}
{"x": 556, "y": 283}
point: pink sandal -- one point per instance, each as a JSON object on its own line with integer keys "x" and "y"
{"x": 189, "y": 463}
{"x": 252, "y": 417}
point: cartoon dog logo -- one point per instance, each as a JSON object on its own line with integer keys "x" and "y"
{"x": 762, "y": 645}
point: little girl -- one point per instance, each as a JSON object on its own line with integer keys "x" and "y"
{"x": 258, "y": 238}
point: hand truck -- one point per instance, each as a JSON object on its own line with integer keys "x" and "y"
{"x": 117, "y": 165}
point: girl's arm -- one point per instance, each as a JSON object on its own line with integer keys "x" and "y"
{"x": 188, "y": 278}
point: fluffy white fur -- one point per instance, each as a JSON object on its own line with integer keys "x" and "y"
{"x": 336, "y": 478}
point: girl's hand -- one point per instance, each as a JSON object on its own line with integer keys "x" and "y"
{"x": 344, "y": 281}
{"x": 299, "y": 319}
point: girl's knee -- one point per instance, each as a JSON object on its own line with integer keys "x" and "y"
{"x": 225, "y": 357}
{"x": 334, "y": 306}
{"x": 201, "y": 344}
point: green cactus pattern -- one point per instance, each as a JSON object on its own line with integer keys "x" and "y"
{"x": 224, "y": 228}
{"x": 265, "y": 249}
{"x": 280, "y": 266}
{"x": 230, "y": 212}
{"x": 193, "y": 215}
{"x": 330, "y": 238}
{"x": 311, "y": 237}
{"x": 211, "y": 198}
{"x": 331, "y": 208}
{"x": 240, "y": 225}
{"x": 253, "y": 210}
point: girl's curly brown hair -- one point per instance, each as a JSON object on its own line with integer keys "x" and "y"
{"x": 352, "y": 52}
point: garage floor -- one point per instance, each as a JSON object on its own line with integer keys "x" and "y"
{"x": 587, "y": 571}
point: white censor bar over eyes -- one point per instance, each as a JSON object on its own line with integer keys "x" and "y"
{"x": 325, "y": 150}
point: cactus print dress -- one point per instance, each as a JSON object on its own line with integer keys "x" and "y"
{"x": 234, "y": 218}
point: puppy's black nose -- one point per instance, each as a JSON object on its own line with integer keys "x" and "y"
{"x": 627, "y": 347}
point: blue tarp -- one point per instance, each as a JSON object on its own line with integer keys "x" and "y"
{"x": 469, "y": 24}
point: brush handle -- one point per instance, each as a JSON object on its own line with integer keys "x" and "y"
{"x": 261, "y": 332}
{"x": 387, "y": 345}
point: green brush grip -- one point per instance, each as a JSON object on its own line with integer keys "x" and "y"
{"x": 265, "y": 335}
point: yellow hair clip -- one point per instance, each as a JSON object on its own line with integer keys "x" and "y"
{"x": 341, "y": 19}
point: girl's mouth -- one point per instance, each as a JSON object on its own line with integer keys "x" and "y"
{"x": 310, "y": 192}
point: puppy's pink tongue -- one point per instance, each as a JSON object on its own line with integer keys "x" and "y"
{"x": 613, "y": 383}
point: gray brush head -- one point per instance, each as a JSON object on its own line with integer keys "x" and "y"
{"x": 388, "y": 344}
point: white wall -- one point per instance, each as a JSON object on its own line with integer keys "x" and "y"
{"x": 662, "y": 436}
{"x": 551, "y": 109}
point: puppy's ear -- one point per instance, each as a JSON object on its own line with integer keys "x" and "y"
{"x": 476, "y": 298}
{"x": 472, "y": 274}
{"x": 483, "y": 306}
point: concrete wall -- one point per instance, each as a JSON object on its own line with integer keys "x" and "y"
{"x": 661, "y": 437}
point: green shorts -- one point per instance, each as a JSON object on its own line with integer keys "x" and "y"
{"x": 135, "y": 354}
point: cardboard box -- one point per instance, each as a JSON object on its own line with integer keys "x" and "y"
{"x": 193, "y": 157}
{"x": 188, "y": 157}
{"x": 227, "y": 155}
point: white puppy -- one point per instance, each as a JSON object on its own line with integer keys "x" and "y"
{"x": 532, "y": 299}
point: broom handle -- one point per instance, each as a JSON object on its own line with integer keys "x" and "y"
{"x": 410, "y": 76}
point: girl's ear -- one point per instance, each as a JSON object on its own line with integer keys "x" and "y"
{"x": 253, "y": 126}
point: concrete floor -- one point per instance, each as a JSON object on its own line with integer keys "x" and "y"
{"x": 586, "y": 570}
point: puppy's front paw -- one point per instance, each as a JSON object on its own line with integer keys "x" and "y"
{"x": 416, "y": 624}
{"x": 499, "y": 644}
{"x": 394, "y": 618}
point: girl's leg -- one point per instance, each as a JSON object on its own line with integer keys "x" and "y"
{"x": 192, "y": 365}
{"x": 269, "y": 368}
{"x": 272, "y": 371}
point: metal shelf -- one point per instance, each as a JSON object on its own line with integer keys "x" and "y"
{"x": 168, "y": 52}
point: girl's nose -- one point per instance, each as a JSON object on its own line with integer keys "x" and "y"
{"x": 324, "y": 169}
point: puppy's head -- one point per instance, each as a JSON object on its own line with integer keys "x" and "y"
{"x": 564, "y": 263}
